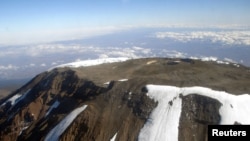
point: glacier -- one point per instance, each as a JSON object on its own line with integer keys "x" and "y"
{"x": 164, "y": 120}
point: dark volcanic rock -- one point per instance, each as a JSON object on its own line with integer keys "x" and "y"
{"x": 197, "y": 112}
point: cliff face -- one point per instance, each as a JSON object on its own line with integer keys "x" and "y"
{"x": 197, "y": 112}
{"x": 116, "y": 97}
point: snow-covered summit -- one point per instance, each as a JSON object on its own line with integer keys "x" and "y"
{"x": 86, "y": 63}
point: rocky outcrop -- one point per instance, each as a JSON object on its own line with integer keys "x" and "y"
{"x": 197, "y": 113}
{"x": 116, "y": 99}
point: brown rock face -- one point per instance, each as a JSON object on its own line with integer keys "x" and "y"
{"x": 111, "y": 113}
{"x": 41, "y": 93}
{"x": 197, "y": 112}
{"x": 120, "y": 107}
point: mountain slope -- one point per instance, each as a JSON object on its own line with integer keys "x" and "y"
{"x": 117, "y": 101}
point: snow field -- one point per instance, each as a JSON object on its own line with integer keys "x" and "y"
{"x": 164, "y": 120}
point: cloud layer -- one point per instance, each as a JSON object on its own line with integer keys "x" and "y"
{"x": 225, "y": 37}
{"x": 8, "y": 67}
{"x": 27, "y": 61}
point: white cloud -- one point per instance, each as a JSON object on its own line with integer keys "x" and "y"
{"x": 101, "y": 56}
{"x": 210, "y": 58}
{"x": 137, "y": 48}
{"x": 53, "y": 63}
{"x": 77, "y": 49}
{"x": 78, "y": 60}
{"x": 52, "y": 35}
{"x": 102, "y": 52}
{"x": 32, "y": 65}
{"x": 142, "y": 50}
{"x": 225, "y": 37}
{"x": 41, "y": 49}
{"x": 8, "y": 67}
{"x": 43, "y": 65}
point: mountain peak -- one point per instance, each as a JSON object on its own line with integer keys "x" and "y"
{"x": 120, "y": 100}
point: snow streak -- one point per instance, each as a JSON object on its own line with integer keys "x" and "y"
{"x": 114, "y": 137}
{"x": 55, "y": 105}
{"x": 56, "y": 132}
{"x": 16, "y": 98}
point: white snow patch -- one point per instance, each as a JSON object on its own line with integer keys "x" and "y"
{"x": 236, "y": 65}
{"x": 55, "y": 133}
{"x": 151, "y": 62}
{"x": 55, "y": 105}
{"x": 223, "y": 62}
{"x": 211, "y": 58}
{"x": 106, "y": 83}
{"x": 12, "y": 99}
{"x": 164, "y": 120}
{"x": 129, "y": 95}
{"x": 24, "y": 128}
{"x": 87, "y": 63}
{"x": 16, "y": 98}
{"x": 122, "y": 80}
{"x": 22, "y": 97}
{"x": 114, "y": 137}
{"x": 194, "y": 57}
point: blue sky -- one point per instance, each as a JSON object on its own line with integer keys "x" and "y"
{"x": 34, "y": 21}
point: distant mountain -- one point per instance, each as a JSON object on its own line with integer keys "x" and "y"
{"x": 137, "y": 99}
